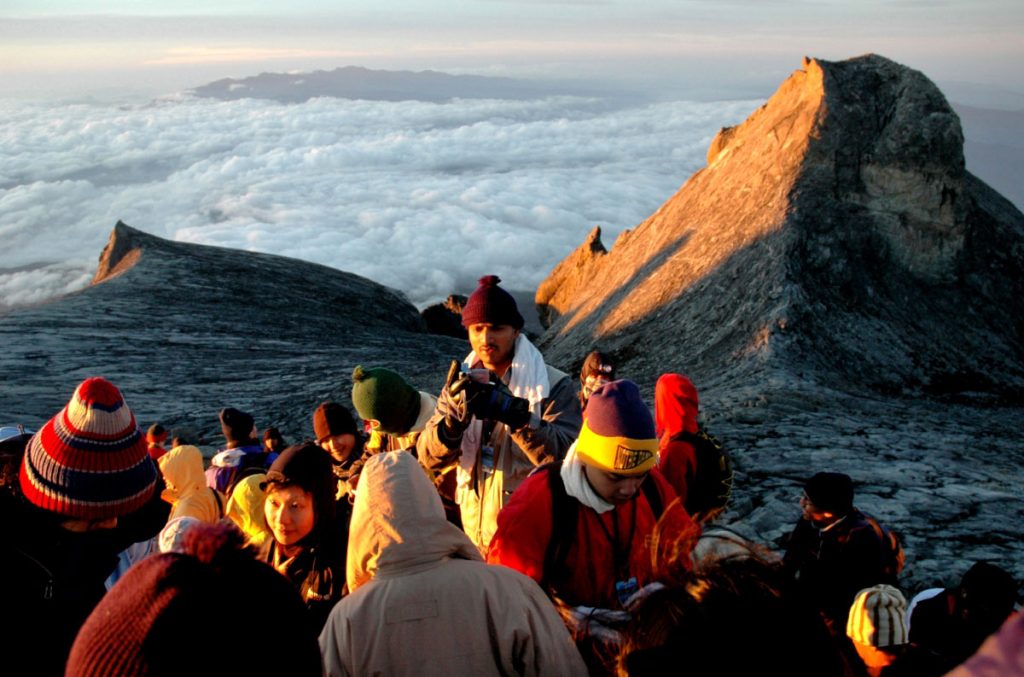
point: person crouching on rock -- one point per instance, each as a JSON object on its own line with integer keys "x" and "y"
{"x": 308, "y": 544}
{"x": 834, "y": 552}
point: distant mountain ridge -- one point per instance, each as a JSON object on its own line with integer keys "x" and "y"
{"x": 355, "y": 82}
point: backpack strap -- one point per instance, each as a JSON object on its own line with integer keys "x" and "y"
{"x": 564, "y": 510}
{"x": 219, "y": 498}
{"x": 653, "y": 496}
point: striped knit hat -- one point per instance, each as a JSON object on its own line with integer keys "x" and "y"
{"x": 877, "y": 617}
{"x": 618, "y": 431}
{"x": 90, "y": 460}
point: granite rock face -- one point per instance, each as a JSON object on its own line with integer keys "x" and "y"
{"x": 846, "y": 297}
{"x": 184, "y": 330}
{"x": 833, "y": 237}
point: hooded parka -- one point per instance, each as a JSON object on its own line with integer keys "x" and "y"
{"x": 423, "y": 602}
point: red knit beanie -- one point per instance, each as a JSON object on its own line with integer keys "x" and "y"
{"x": 491, "y": 304}
{"x": 163, "y": 615}
{"x": 90, "y": 460}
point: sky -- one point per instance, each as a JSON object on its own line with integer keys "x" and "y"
{"x": 424, "y": 197}
{"x": 736, "y": 46}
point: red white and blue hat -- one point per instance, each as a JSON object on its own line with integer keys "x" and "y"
{"x": 90, "y": 460}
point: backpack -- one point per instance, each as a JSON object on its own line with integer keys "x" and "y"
{"x": 225, "y": 478}
{"x": 893, "y": 555}
{"x": 564, "y": 512}
{"x": 712, "y": 482}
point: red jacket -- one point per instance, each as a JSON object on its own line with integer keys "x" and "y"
{"x": 675, "y": 411}
{"x": 525, "y": 526}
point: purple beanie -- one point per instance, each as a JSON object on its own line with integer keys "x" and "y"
{"x": 618, "y": 430}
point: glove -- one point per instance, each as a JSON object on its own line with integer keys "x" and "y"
{"x": 602, "y": 624}
{"x": 496, "y": 402}
{"x": 452, "y": 404}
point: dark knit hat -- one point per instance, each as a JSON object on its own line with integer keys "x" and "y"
{"x": 492, "y": 305}
{"x": 618, "y": 431}
{"x": 89, "y": 461}
{"x": 831, "y": 492}
{"x": 384, "y": 396}
{"x": 236, "y": 425}
{"x": 331, "y": 419}
{"x": 155, "y": 619}
{"x": 989, "y": 592}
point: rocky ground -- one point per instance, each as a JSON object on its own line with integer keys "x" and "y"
{"x": 949, "y": 478}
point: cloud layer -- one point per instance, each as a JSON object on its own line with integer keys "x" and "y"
{"x": 420, "y": 196}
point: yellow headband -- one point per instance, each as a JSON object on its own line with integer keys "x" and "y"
{"x": 620, "y": 455}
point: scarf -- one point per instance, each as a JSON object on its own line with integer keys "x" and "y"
{"x": 528, "y": 378}
{"x": 577, "y": 486}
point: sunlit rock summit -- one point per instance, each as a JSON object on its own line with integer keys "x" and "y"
{"x": 834, "y": 238}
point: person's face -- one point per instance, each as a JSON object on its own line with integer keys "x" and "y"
{"x": 290, "y": 514}
{"x": 494, "y": 344}
{"x": 613, "y": 487}
{"x": 812, "y": 512}
{"x": 339, "y": 446}
{"x": 592, "y": 383}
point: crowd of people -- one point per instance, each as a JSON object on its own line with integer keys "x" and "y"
{"x": 519, "y": 522}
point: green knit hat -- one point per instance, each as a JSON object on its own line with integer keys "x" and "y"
{"x": 383, "y": 395}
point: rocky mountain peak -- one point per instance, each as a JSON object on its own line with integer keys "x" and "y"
{"x": 123, "y": 250}
{"x": 833, "y": 237}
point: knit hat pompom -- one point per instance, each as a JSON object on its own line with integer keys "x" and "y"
{"x": 384, "y": 396}
{"x": 618, "y": 431}
{"x": 878, "y": 617}
{"x": 490, "y": 304}
{"x": 90, "y": 460}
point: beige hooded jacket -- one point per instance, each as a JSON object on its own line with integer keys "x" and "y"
{"x": 186, "y": 491}
{"x": 421, "y": 600}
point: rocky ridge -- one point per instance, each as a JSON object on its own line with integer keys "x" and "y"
{"x": 833, "y": 238}
{"x": 186, "y": 329}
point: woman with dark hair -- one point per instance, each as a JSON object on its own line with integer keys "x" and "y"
{"x": 309, "y": 542}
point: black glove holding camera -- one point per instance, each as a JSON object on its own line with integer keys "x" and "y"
{"x": 456, "y": 401}
{"x": 496, "y": 402}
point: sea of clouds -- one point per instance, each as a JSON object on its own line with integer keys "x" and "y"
{"x": 423, "y": 197}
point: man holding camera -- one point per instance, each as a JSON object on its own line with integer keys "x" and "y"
{"x": 501, "y": 414}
